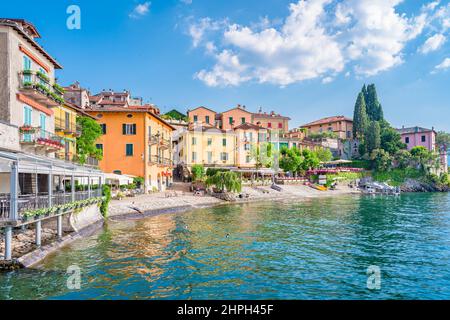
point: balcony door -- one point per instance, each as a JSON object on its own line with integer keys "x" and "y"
{"x": 26, "y": 67}
{"x": 42, "y": 121}
{"x": 27, "y": 111}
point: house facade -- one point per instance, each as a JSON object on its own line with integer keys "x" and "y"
{"x": 418, "y": 136}
{"x": 135, "y": 142}
{"x": 271, "y": 121}
{"x": 29, "y": 93}
{"x": 248, "y": 137}
{"x": 339, "y": 125}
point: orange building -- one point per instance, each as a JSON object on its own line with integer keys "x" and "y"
{"x": 202, "y": 115}
{"x": 136, "y": 142}
{"x": 235, "y": 117}
{"x": 340, "y": 125}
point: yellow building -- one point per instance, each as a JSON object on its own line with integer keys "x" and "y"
{"x": 66, "y": 128}
{"x": 208, "y": 146}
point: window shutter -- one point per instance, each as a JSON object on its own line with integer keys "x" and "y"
{"x": 134, "y": 128}
{"x": 124, "y": 129}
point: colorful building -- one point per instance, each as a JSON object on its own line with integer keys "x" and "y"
{"x": 135, "y": 142}
{"x": 208, "y": 146}
{"x": 28, "y": 93}
{"x": 248, "y": 136}
{"x": 418, "y": 136}
{"x": 271, "y": 121}
{"x": 340, "y": 125}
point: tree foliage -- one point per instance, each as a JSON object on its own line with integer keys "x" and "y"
{"x": 324, "y": 154}
{"x": 373, "y": 106}
{"x": 443, "y": 140}
{"x": 263, "y": 155}
{"x": 373, "y": 136}
{"x": 198, "y": 172}
{"x": 225, "y": 181}
{"x": 90, "y": 132}
{"x": 290, "y": 159}
{"x": 360, "y": 119}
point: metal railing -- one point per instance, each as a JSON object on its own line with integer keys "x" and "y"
{"x": 159, "y": 140}
{"x": 37, "y": 136}
{"x": 68, "y": 127}
{"x": 40, "y": 84}
{"x": 29, "y": 202}
{"x": 161, "y": 161}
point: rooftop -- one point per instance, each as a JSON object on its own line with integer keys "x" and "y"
{"x": 249, "y": 126}
{"x": 414, "y": 130}
{"x": 327, "y": 120}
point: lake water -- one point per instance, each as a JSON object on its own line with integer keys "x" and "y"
{"x": 310, "y": 249}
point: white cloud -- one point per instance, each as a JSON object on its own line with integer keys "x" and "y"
{"x": 443, "y": 66}
{"x": 318, "y": 39}
{"x": 140, "y": 10}
{"x": 433, "y": 43}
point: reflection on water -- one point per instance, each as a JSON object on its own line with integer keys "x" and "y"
{"x": 311, "y": 249}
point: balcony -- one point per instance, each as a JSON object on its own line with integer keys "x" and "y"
{"x": 39, "y": 138}
{"x": 158, "y": 140}
{"x": 67, "y": 127}
{"x": 161, "y": 161}
{"x": 36, "y": 86}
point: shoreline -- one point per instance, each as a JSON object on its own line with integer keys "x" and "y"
{"x": 157, "y": 204}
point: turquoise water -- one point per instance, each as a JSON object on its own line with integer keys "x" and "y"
{"x": 311, "y": 249}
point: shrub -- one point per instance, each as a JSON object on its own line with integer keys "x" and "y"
{"x": 228, "y": 181}
{"x": 212, "y": 171}
{"x": 106, "y": 192}
{"x": 198, "y": 172}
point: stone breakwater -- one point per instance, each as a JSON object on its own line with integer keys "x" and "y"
{"x": 412, "y": 185}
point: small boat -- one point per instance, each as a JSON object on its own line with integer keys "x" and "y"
{"x": 319, "y": 187}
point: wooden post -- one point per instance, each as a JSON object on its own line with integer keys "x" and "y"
{"x": 59, "y": 226}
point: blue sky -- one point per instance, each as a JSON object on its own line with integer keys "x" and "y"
{"x": 304, "y": 59}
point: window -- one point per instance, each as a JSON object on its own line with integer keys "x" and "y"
{"x": 247, "y": 147}
{"x": 26, "y": 67}
{"x": 224, "y": 142}
{"x": 128, "y": 129}
{"x": 424, "y": 138}
{"x": 207, "y": 119}
{"x": 27, "y": 115}
{"x": 195, "y": 118}
{"x": 209, "y": 157}
{"x": 103, "y": 125}
{"x": 349, "y": 134}
{"x": 209, "y": 141}
{"x": 407, "y": 140}
{"x": 269, "y": 124}
{"x": 99, "y": 146}
{"x": 194, "y": 141}
{"x": 129, "y": 149}
{"x": 224, "y": 156}
{"x": 149, "y": 131}
{"x": 42, "y": 81}
{"x": 42, "y": 120}
{"x": 248, "y": 159}
{"x": 330, "y": 129}
{"x": 230, "y": 120}
{"x": 194, "y": 156}
{"x": 117, "y": 172}
{"x": 243, "y": 120}
{"x": 67, "y": 120}
{"x": 280, "y": 125}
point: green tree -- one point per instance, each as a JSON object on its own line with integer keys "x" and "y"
{"x": 403, "y": 158}
{"x": 391, "y": 140}
{"x": 360, "y": 119}
{"x": 424, "y": 158}
{"x": 290, "y": 159}
{"x": 225, "y": 181}
{"x": 373, "y": 106}
{"x": 324, "y": 154}
{"x": 310, "y": 161}
{"x": 443, "y": 140}
{"x": 198, "y": 172}
{"x": 382, "y": 161}
{"x": 373, "y": 136}
{"x": 90, "y": 132}
{"x": 263, "y": 155}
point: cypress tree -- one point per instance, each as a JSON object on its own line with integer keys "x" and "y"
{"x": 373, "y": 136}
{"x": 360, "y": 119}
{"x": 374, "y": 109}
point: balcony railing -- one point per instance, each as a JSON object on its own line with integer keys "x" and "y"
{"x": 67, "y": 127}
{"x": 157, "y": 139}
{"x": 37, "y": 87}
{"x": 30, "y": 202}
{"x": 40, "y": 138}
{"x": 161, "y": 161}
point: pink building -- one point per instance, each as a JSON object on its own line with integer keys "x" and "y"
{"x": 418, "y": 136}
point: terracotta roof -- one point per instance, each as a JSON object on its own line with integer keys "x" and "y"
{"x": 16, "y": 24}
{"x": 128, "y": 110}
{"x": 249, "y": 126}
{"x": 201, "y": 107}
{"x": 414, "y": 130}
{"x": 239, "y": 108}
{"x": 327, "y": 120}
{"x": 270, "y": 116}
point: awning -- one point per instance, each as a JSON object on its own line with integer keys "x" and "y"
{"x": 118, "y": 179}
{"x": 28, "y": 163}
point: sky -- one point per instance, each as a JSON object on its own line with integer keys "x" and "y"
{"x": 304, "y": 59}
